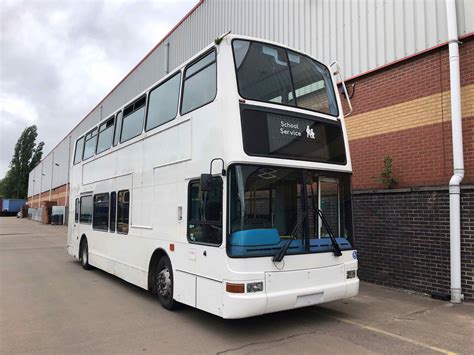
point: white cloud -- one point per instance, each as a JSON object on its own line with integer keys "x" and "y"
{"x": 15, "y": 108}
{"x": 59, "y": 58}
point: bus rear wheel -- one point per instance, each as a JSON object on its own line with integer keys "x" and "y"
{"x": 84, "y": 255}
{"x": 164, "y": 283}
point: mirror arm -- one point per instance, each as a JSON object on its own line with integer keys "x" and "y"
{"x": 337, "y": 72}
{"x": 223, "y": 172}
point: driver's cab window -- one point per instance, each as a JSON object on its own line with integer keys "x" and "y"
{"x": 205, "y": 213}
{"x": 329, "y": 201}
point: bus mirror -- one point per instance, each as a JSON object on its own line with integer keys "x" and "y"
{"x": 206, "y": 180}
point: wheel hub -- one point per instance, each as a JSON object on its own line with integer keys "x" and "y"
{"x": 164, "y": 283}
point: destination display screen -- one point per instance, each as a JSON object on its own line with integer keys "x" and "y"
{"x": 274, "y": 134}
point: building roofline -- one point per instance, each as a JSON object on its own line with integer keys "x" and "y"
{"x": 465, "y": 36}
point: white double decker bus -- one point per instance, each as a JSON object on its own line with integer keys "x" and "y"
{"x": 225, "y": 186}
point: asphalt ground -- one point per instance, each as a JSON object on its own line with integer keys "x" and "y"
{"x": 49, "y": 304}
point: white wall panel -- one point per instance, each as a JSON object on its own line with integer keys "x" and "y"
{"x": 362, "y": 35}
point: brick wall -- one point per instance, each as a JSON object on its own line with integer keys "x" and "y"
{"x": 402, "y": 238}
{"x": 58, "y": 194}
{"x": 404, "y": 111}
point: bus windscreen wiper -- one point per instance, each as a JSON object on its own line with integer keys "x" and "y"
{"x": 282, "y": 251}
{"x": 335, "y": 245}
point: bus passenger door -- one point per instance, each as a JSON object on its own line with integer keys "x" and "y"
{"x": 205, "y": 237}
{"x": 75, "y": 227}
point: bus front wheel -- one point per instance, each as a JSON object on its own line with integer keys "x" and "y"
{"x": 84, "y": 255}
{"x": 164, "y": 283}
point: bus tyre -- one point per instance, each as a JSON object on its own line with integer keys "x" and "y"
{"x": 84, "y": 255}
{"x": 164, "y": 283}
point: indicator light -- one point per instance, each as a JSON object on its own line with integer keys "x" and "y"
{"x": 235, "y": 288}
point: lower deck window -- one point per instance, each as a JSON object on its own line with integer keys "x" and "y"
{"x": 123, "y": 211}
{"x": 101, "y": 212}
{"x": 86, "y": 210}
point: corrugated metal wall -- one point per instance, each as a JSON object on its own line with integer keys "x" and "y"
{"x": 362, "y": 35}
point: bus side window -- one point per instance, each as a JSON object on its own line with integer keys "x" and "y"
{"x": 79, "y": 150}
{"x": 106, "y": 132}
{"x": 76, "y": 211}
{"x": 101, "y": 212}
{"x": 86, "y": 210}
{"x": 90, "y": 144}
{"x": 200, "y": 83}
{"x": 163, "y": 103}
{"x": 132, "y": 120}
{"x": 123, "y": 204}
{"x": 205, "y": 213}
{"x": 113, "y": 205}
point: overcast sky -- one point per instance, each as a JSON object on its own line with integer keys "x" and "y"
{"x": 59, "y": 58}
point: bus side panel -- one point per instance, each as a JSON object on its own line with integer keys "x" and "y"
{"x": 209, "y": 295}
{"x": 185, "y": 288}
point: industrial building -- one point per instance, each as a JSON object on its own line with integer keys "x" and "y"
{"x": 395, "y": 59}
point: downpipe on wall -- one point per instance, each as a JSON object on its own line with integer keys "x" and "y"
{"x": 458, "y": 158}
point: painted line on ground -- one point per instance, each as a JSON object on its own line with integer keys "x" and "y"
{"x": 393, "y": 335}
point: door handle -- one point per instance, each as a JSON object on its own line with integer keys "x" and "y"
{"x": 204, "y": 253}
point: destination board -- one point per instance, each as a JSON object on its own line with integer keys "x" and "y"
{"x": 275, "y": 134}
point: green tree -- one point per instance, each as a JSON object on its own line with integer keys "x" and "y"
{"x": 26, "y": 156}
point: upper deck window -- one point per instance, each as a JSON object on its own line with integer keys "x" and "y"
{"x": 274, "y": 74}
{"x": 132, "y": 122}
{"x": 106, "y": 132}
{"x": 90, "y": 144}
{"x": 163, "y": 103}
{"x": 79, "y": 150}
{"x": 200, "y": 83}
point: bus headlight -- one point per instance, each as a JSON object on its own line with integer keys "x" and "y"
{"x": 351, "y": 274}
{"x": 255, "y": 287}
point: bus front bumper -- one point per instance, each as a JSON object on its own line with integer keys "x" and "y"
{"x": 249, "y": 305}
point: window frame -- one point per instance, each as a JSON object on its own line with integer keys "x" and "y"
{"x": 144, "y": 96}
{"x": 113, "y": 209}
{"x": 99, "y": 132}
{"x": 183, "y": 80}
{"x": 93, "y": 211}
{"x": 171, "y": 77}
{"x": 118, "y": 118}
{"x": 188, "y": 220}
{"x": 291, "y": 75}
